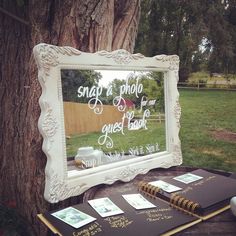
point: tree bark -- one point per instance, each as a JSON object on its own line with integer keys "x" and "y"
{"x": 88, "y": 25}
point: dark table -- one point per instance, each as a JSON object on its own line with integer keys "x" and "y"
{"x": 223, "y": 224}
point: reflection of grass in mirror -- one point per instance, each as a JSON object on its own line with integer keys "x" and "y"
{"x": 132, "y": 139}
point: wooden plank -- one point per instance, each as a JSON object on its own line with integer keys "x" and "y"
{"x": 210, "y": 228}
{"x": 80, "y": 119}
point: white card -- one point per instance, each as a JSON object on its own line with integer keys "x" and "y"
{"x": 188, "y": 178}
{"x": 138, "y": 201}
{"x": 105, "y": 207}
{"x": 169, "y": 188}
{"x": 73, "y": 217}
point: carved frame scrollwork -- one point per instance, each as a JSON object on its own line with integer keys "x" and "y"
{"x": 50, "y": 60}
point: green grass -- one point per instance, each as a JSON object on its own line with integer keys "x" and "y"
{"x": 202, "y": 113}
{"x": 131, "y": 139}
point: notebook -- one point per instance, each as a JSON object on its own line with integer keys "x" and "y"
{"x": 160, "y": 219}
{"x": 200, "y": 192}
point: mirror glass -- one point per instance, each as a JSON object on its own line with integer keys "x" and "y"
{"x": 112, "y": 116}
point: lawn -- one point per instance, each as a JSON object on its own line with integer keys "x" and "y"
{"x": 208, "y": 129}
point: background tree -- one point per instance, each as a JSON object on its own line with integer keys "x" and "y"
{"x": 201, "y": 32}
{"x": 88, "y": 25}
{"x": 221, "y": 36}
{"x": 170, "y": 27}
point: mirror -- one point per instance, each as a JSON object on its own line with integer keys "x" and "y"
{"x": 105, "y": 116}
{"x": 117, "y": 115}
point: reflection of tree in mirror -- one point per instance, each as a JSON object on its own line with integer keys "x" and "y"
{"x": 153, "y": 89}
{"x": 72, "y": 79}
{"x": 158, "y": 77}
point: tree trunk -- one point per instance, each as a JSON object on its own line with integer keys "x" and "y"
{"x": 88, "y": 25}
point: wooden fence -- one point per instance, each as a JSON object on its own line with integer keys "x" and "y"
{"x": 80, "y": 119}
{"x": 210, "y": 85}
{"x": 160, "y": 117}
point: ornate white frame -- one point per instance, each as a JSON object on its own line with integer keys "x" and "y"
{"x": 50, "y": 60}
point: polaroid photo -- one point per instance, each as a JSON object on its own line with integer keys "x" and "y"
{"x": 73, "y": 217}
{"x": 138, "y": 201}
{"x": 188, "y": 178}
{"x": 169, "y": 188}
{"x": 105, "y": 207}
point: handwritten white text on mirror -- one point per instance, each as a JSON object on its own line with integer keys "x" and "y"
{"x": 96, "y": 91}
{"x": 119, "y": 127}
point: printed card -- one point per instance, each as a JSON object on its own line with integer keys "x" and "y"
{"x": 73, "y": 217}
{"x": 138, "y": 201}
{"x": 105, "y": 207}
{"x": 188, "y": 178}
{"x": 169, "y": 188}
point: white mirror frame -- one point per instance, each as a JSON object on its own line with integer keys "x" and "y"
{"x": 50, "y": 60}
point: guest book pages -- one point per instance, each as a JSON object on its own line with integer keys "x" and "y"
{"x": 160, "y": 219}
{"x": 200, "y": 191}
